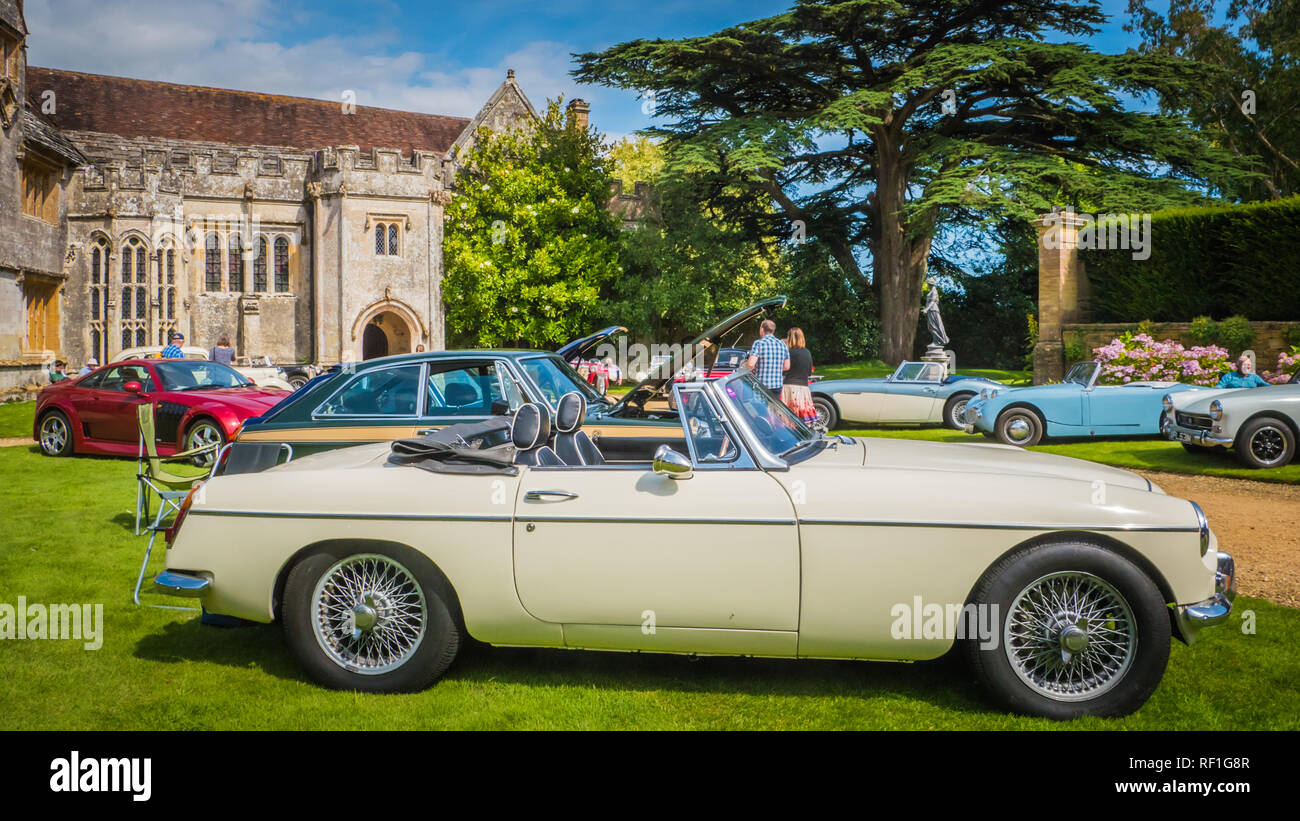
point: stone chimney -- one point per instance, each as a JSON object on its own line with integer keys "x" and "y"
{"x": 578, "y": 113}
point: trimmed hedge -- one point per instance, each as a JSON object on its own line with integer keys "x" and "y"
{"x": 1220, "y": 262}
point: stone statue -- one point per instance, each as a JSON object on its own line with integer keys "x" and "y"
{"x": 938, "y": 336}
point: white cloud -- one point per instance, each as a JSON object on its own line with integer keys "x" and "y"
{"x": 234, "y": 44}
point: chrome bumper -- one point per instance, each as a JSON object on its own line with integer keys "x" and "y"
{"x": 1190, "y": 618}
{"x": 1194, "y": 437}
{"x": 175, "y": 583}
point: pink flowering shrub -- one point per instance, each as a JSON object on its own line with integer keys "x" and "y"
{"x": 1286, "y": 362}
{"x": 1139, "y": 358}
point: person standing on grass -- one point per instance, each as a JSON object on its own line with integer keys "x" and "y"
{"x": 769, "y": 358}
{"x": 173, "y": 349}
{"x": 799, "y": 367}
{"x": 224, "y": 352}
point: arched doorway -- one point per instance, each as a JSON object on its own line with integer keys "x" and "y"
{"x": 384, "y": 335}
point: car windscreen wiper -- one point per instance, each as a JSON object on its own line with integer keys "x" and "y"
{"x": 793, "y": 448}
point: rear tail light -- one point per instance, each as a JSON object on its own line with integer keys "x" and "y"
{"x": 169, "y": 535}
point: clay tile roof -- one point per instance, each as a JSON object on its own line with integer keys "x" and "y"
{"x": 145, "y": 108}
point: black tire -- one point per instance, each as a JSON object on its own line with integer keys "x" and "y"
{"x": 297, "y": 381}
{"x": 427, "y": 656}
{"x": 55, "y": 434}
{"x": 826, "y": 413}
{"x": 1134, "y": 615}
{"x": 1266, "y": 442}
{"x": 1020, "y": 427}
{"x": 204, "y": 430}
{"x": 954, "y": 410}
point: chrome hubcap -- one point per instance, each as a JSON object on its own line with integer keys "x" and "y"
{"x": 1070, "y": 636}
{"x": 369, "y": 614}
{"x": 1019, "y": 429}
{"x": 1268, "y": 445}
{"x": 204, "y": 434}
{"x": 54, "y": 434}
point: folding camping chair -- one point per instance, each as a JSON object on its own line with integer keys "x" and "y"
{"x": 154, "y": 477}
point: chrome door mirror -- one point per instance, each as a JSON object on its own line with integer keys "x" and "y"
{"x": 672, "y": 464}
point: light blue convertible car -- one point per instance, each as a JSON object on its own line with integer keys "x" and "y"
{"x": 915, "y": 393}
{"x": 1076, "y": 407}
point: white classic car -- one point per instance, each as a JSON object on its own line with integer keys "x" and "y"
{"x": 260, "y": 369}
{"x": 1260, "y": 425}
{"x": 1061, "y": 580}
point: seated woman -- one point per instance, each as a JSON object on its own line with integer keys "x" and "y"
{"x": 1242, "y": 376}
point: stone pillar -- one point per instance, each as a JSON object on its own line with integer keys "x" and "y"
{"x": 1061, "y": 294}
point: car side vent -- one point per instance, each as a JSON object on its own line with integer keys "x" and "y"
{"x": 167, "y": 420}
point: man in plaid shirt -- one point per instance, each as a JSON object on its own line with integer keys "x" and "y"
{"x": 768, "y": 357}
{"x": 173, "y": 351}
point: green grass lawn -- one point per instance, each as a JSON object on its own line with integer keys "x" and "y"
{"x": 16, "y": 419}
{"x": 68, "y": 539}
{"x": 1132, "y": 453}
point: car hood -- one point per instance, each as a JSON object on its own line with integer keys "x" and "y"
{"x": 579, "y": 348}
{"x": 666, "y": 370}
{"x": 1199, "y": 401}
{"x": 245, "y": 401}
{"x": 989, "y": 458}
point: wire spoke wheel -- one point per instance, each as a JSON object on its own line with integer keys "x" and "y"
{"x": 957, "y": 417}
{"x": 1070, "y": 636}
{"x": 369, "y": 614}
{"x": 54, "y": 434}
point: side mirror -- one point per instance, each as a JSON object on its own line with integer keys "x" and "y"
{"x": 672, "y": 464}
{"x": 133, "y": 387}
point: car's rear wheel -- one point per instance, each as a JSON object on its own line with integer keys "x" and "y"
{"x": 827, "y": 416}
{"x": 1020, "y": 427}
{"x": 297, "y": 381}
{"x": 205, "y": 432}
{"x": 1265, "y": 443}
{"x": 55, "y": 434}
{"x": 378, "y": 621}
{"x": 1080, "y": 631}
{"x": 954, "y": 410}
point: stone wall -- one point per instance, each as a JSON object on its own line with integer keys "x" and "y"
{"x": 1270, "y": 337}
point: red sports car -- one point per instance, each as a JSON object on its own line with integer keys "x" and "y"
{"x": 196, "y": 402}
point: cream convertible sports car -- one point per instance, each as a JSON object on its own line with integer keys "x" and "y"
{"x": 765, "y": 539}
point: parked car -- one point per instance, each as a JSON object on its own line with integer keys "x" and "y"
{"x": 399, "y": 396}
{"x": 915, "y": 393}
{"x": 196, "y": 402}
{"x": 1076, "y": 407}
{"x": 1260, "y": 425}
{"x": 298, "y": 375}
{"x": 259, "y": 369}
{"x": 380, "y": 567}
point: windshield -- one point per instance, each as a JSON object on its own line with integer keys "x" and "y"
{"x": 776, "y": 428}
{"x": 191, "y": 374}
{"x": 1081, "y": 373}
{"x": 554, "y": 378}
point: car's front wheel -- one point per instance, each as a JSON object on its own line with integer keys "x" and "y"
{"x": 377, "y": 621}
{"x": 1080, "y": 631}
{"x": 827, "y": 416}
{"x": 954, "y": 411}
{"x": 1020, "y": 427}
{"x": 205, "y": 432}
{"x": 1265, "y": 443}
{"x": 55, "y": 434}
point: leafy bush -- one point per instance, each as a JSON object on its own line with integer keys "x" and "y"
{"x": 1293, "y": 336}
{"x": 1207, "y": 261}
{"x": 1204, "y": 331}
{"x": 1236, "y": 333}
{"x": 1074, "y": 349}
{"x": 836, "y": 313}
{"x": 1286, "y": 365}
{"x": 1138, "y": 357}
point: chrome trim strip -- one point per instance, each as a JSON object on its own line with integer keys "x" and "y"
{"x": 418, "y": 517}
{"x": 1005, "y": 525}
{"x": 648, "y": 521}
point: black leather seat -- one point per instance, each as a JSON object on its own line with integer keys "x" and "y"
{"x": 460, "y": 397}
{"x": 530, "y": 432}
{"x": 572, "y": 444}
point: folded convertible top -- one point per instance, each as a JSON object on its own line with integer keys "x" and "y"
{"x": 470, "y": 448}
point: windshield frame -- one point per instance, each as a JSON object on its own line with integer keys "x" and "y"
{"x": 739, "y": 420}
{"x": 1092, "y": 378}
{"x": 160, "y": 367}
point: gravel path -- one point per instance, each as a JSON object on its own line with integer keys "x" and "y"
{"x": 1257, "y": 522}
{"x": 15, "y": 440}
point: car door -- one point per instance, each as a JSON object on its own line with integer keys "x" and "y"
{"x": 1121, "y": 409}
{"x": 622, "y": 545}
{"x": 111, "y": 414}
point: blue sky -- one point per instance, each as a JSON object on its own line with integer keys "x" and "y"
{"x": 443, "y": 58}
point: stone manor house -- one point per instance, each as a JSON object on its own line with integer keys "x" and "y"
{"x": 307, "y": 230}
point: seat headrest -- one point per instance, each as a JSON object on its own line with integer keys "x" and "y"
{"x": 459, "y": 394}
{"x": 532, "y": 426}
{"x": 570, "y": 411}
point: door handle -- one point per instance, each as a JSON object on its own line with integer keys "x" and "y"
{"x": 426, "y": 431}
{"x": 537, "y": 495}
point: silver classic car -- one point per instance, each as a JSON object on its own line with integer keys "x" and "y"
{"x": 1260, "y": 425}
{"x": 1061, "y": 581}
{"x": 915, "y": 393}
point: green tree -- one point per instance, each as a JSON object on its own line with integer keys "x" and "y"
{"x": 1250, "y": 105}
{"x": 636, "y": 159}
{"x": 529, "y": 239}
{"x": 869, "y": 122}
